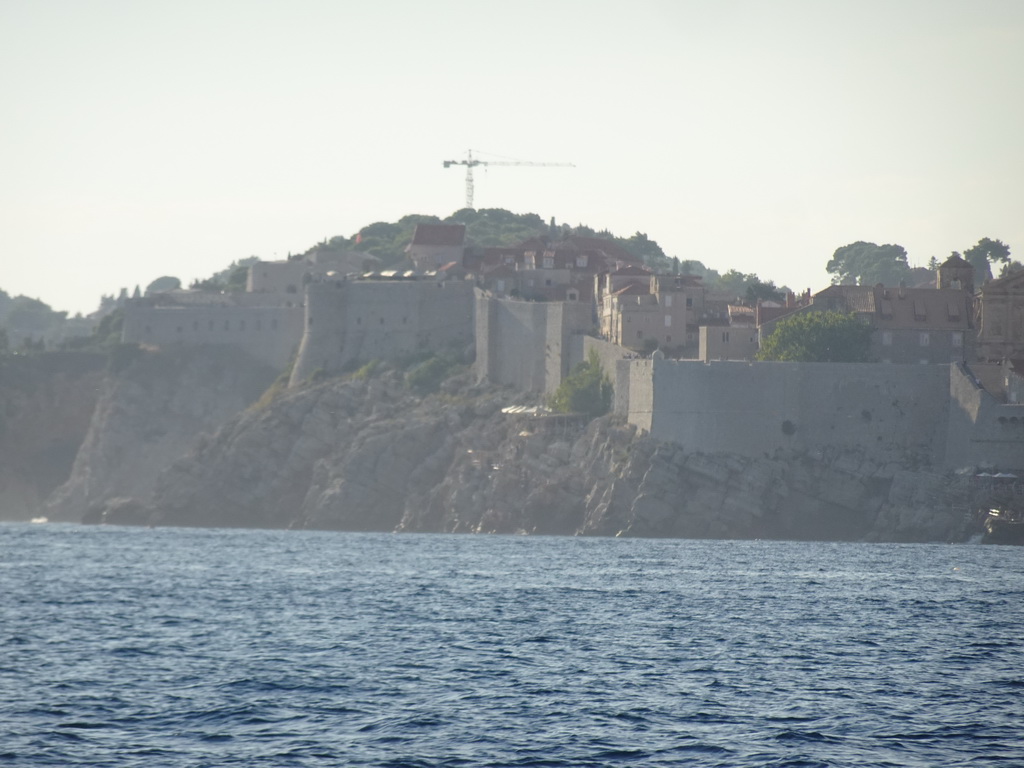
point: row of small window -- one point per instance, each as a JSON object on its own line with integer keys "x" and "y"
{"x": 924, "y": 338}
{"x": 640, "y": 335}
{"x": 647, "y": 320}
{"x": 667, "y": 300}
{"x": 359, "y": 321}
{"x": 212, "y": 325}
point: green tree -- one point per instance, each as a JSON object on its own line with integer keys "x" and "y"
{"x": 984, "y": 254}
{"x": 585, "y": 390}
{"x": 694, "y": 267}
{"x": 163, "y": 284}
{"x": 427, "y": 377}
{"x": 864, "y": 263}
{"x": 648, "y": 251}
{"x": 759, "y": 290}
{"x": 1011, "y": 267}
{"x": 748, "y": 287}
{"x": 818, "y": 337}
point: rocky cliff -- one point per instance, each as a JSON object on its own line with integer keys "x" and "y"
{"x": 369, "y": 455}
{"x": 46, "y": 403}
{"x": 151, "y": 408}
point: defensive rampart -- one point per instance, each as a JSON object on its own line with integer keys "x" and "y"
{"x": 982, "y": 431}
{"x": 529, "y": 345}
{"x": 894, "y": 413}
{"x": 361, "y": 320}
{"x": 270, "y": 334}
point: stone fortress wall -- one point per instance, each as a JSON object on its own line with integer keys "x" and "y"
{"x": 529, "y": 345}
{"x": 930, "y": 415}
{"x": 270, "y": 334}
{"x": 348, "y": 321}
{"x": 895, "y": 413}
{"x": 982, "y": 430}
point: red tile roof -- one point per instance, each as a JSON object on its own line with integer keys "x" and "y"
{"x": 451, "y": 235}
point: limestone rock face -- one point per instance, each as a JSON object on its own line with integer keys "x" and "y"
{"x": 176, "y": 439}
{"x": 368, "y": 455}
{"x": 46, "y": 403}
{"x": 147, "y": 414}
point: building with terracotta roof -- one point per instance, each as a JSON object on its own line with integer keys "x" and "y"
{"x": 641, "y": 311}
{"x": 910, "y": 325}
{"x": 541, "y": 270}
{"x": 434, "y": 245}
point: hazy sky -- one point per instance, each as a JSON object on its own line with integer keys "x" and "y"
{"x": 144, "y": 138}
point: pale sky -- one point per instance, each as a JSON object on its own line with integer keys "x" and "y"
{"x": 144, "y": 138}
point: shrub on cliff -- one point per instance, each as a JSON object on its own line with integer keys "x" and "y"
{"x": 585, "y": 390}
{"x": 426, "y": 377}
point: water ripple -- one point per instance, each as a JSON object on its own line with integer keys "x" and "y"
{"x": 125, "y": 647}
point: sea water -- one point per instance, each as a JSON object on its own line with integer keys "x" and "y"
{"x": 178, "y": 647}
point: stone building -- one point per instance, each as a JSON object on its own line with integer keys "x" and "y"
{"x": 541, "y": 270}
{"x": 1001, "y": 318}
{"x": 434, "y": 245}
{"x": 910, "y": 325}
{"x": 643, "y": 311}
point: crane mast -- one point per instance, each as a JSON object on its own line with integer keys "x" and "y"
{"x": 471, "y": 162}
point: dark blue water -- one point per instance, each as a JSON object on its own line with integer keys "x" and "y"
{"x": 135, "y": 647}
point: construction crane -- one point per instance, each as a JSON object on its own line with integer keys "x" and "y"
{"x": 471, "y": 162}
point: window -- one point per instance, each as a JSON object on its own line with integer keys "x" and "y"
{"x": 581, "y": 260}
{"x": 549, "y": 262}
{"x": 886, "y": 338}
{"x": 668, "y": 321}
{"x": 725, "y": 336}
{"x": 924, "y": 339}
{"x": 689, "y": 302}
{"x": 668, "y": 300}
{"x": 639, "y": 334}
{"x": 958, "y": 338}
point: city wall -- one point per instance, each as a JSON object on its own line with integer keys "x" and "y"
{"x": 892, "y": 413}
{"x": 349, "y": 321}
{"x": 270, "y": 334}
{"x": 529, "y": 345}
{"x": 614, "y": 361}
{"x": 982, "y": 430}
